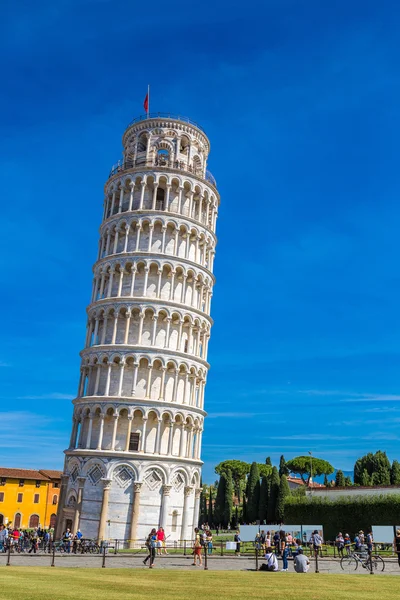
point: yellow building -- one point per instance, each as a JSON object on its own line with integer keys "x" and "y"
{"x": 29, "y": 498}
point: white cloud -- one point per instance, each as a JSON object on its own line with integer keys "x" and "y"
{"x": 51, "y": 396}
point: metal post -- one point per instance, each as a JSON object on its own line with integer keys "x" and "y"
{"x": 8, "y": 554}
{"x": 205, "y": 557}
{"x": 222, "y": 548}
{"x": 316, "y": 562}
{"x": 184, "y": 547}
{"x": 104, "y": 557}
{"x": 115, "y": 547}
{"x": 256, "y": 558}
{"x": 54, "y": 555}
{"x": 370, "y": 562}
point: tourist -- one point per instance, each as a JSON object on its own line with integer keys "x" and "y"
{"x": 197, "y": 546}
{"x": 21, "y": 541}
{"x": 262, "y": 539}
{"x": 339, "y": 542}
{"x": 66, "y": 538}
{"x": 151, "y": 547}
{"x": 272, "y": 561}
{"x": 284, "y": 551}
{"x": 268, "y": 540}
{"x": 289, "y": 539}
{"x": 209, "y": 541}
{"x": 3, "y": 538}
{"x": 316, "y": 541}
{"x": 359, "y": 541}
{"x": 237, "y": 540}
{"x": 276, "y": 540}
{"x": 34, "y": 541}
{"x": 370, "y": 542}
{"x": 396, "y": 544}
{"x": 347, "y": 544}
{"x": 301, "y": 562}
{"x": 160, "y": 540}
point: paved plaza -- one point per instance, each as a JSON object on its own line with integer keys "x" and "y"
{"x": 175, "y": 562}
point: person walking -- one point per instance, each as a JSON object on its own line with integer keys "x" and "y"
{"x": 209, "y": 541}
{"x": 151, "y": 547}
{"x": 3, "y": 538}
{"x": 197, "y": 546}
{"x": 67, "y": 541}
{"x": 347, "y": 544}
{"x": 316, "y": 541}
{"x": 34, "y": 542}
{"x": 396, "y": 544}
{"x": 370, "y": 542}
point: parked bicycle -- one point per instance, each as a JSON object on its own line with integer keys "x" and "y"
{"x": 374, "y": 562}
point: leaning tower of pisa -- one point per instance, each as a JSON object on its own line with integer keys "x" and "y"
{"x": 134, "y": 456}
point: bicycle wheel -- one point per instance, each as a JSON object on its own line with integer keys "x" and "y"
{"x": 349, "y": 564}
{"x": 378, "y": 564}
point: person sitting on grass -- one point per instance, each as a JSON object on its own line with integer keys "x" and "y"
{"x": 271, "y": 560}
{"x": 301, "y": 562}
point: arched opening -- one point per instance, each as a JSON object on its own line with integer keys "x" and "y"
{"x": 162, "y": 158}
{"x": 33, "y": 521}
{"x": 160, "y": 198}
{"x": 53, "y": 520}
{"x": 17, "y": 520}
{"x": 55, "y": 499}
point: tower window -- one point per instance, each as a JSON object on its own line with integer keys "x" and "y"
{"x": 36, "y": 499}
{"x": 134, "y": 442}
{"x": 20, "y": 497}
{"x": 160, "y": 198}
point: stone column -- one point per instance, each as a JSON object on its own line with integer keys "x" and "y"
{"x": 133, "y": 281}
{"x": 89, "y": 433}
{"x": 143, "y": 436}
{"x": 143, "y": 184}
{"x": 135, "y": 514}
{"x": 127, "y": 326}
{"x": 165, "y": 505}
{"x": 162, "y": 386}
{"x": 185, "y": 516}
{"x": 101, "y": 431}
{"x": 78, "y": 509}
{"x": 104, "y": 509}
{"x": 159, "y": 273}
{"x": 170, "y": 439}
{"x": 114, "y": 434}
{"x": 135, "y": 376}
{"x": 132, "y": 186}
{"x": 197, "y": 494}
{"x": 182, "y": 440}
{"x": 61, "y": 501}
{"x": 72, "y": 442}
{"x": 158, "y": 437}
{"x": 163, "y": 229}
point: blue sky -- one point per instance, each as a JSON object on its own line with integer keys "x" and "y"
{"x": 301, "y": 104}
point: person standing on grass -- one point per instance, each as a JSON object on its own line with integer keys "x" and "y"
{"x": 197, "y": 547}
{"x": 209, "y": 539}
{"x": 316, "y": 540}
{"x": 237, "y": 540}
{"x": 276, "y": 539}
{"x": 151, "y": 542}
{"x": 284, "y": 552}
{"x": 301, "y": 563}
{"x": 396, "y": 545}
{"x": 160, "y": 540}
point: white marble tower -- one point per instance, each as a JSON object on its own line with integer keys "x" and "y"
{"x": 134, "y": 457}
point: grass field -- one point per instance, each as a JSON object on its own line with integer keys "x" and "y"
{"x": 111, "y": 584}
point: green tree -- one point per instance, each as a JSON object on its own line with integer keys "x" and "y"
{"x": 228, "y": 502}
{"x": 203, "y": 507}
{"x": 253, "y": 493}
{"x": 219, "y": 505}
{"x": 244, "y": 511}
{"x": 239, "y": 470}
{"x": 210, "y": 517}
{"x": 395, "y": 473}
{"x": 273, "y": 495}
{"x": 283, "y": 470}
{"x": 326, "y": 481}
{"x": 303, "y": 465}
{"x": 264, "y": 470}
{"x": 283, "y": 493}
{"x": 347, "y": 481}
{"x": 268, "y": 461}
{"x": 263, "y": 506}
{"x": 365, "y": 478}
{"x": 339, "y": 479}
{"x": 377, "y": 466}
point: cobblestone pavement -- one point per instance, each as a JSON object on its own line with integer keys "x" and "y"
{"x": 215, "y": 563}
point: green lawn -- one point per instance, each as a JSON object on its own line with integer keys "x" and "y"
{"x": 112, "y": 584}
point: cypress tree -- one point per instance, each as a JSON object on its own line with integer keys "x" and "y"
{"x": 283, "y": 492}
{"x": 339, "y": 479}
{"x": 347, "y": 481}
{"x": 263, "y": 505}
{"x": 210, "y": 508}
{"x": 365, "y": 478}
{"x": 228, "y": 500}
{"x": 395, "y": 473}
{"x": 220, "y": 500}
{"x": 273, "y": 495}
{"x": 244, "y": 510}
{"x": 203, "y": 508}
{"x": 253, "y": 493}
{"x": 326, "y": 481}
{"x": 268, "y": 461}
{"x": 283, "y": 470}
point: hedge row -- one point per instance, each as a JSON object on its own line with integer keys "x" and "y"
{"x": 345, "y": 514}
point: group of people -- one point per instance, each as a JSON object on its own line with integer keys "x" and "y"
{"x": 361, "y": 542}
{"x": 283, "y": 544}
{"x": 21, "y": 540}
{"x": 156, "y": 543}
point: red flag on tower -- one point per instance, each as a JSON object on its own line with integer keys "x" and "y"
{"x": 147, "y": 101}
